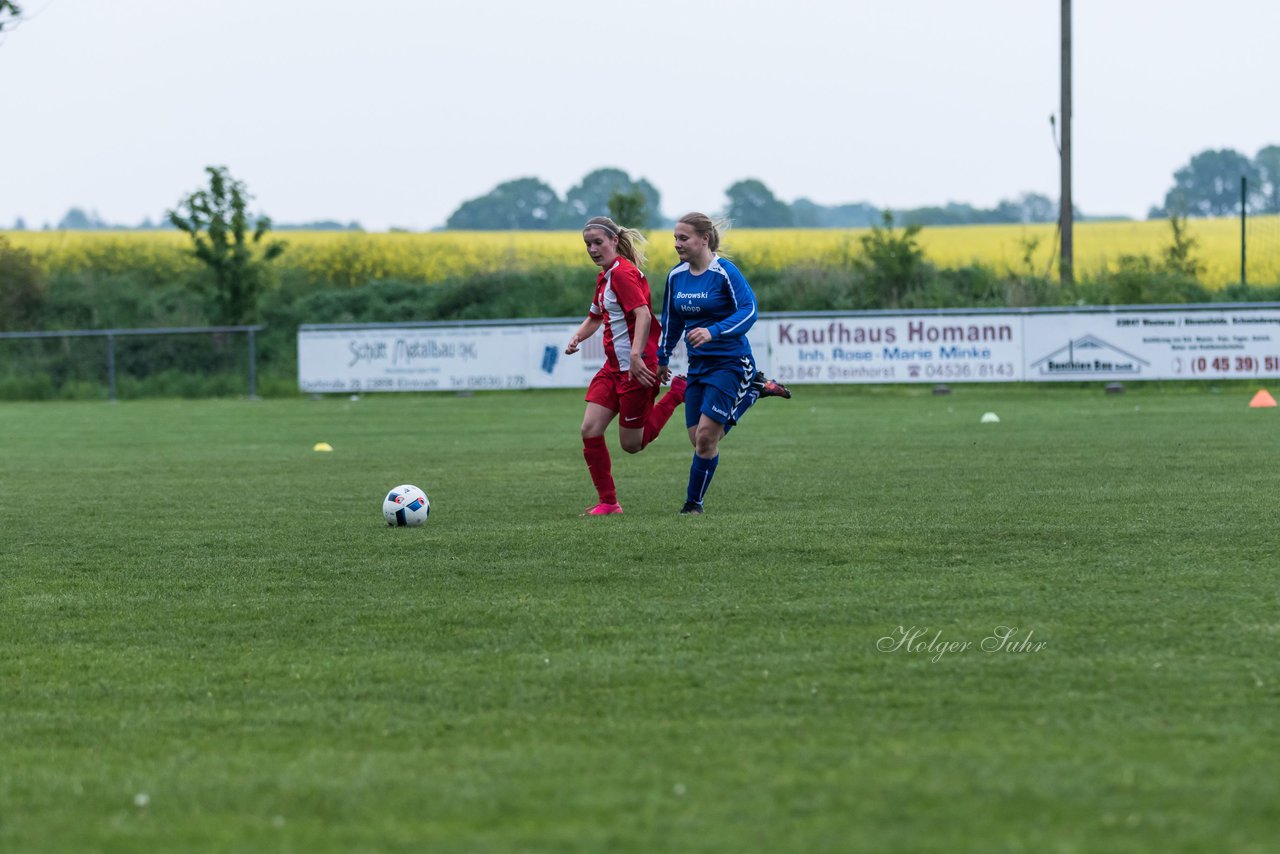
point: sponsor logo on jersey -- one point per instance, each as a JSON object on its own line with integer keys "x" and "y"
{"x": 691, "y": 295}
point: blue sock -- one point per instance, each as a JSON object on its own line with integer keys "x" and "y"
{"x": 700, "y": 477}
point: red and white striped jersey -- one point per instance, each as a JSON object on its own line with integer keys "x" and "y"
{"x": 620, "y": 290}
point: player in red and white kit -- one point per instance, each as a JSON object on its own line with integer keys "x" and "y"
{"x": 627, "y": 385}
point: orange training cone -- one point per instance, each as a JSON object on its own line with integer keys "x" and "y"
{"x": 1262, "y": 398}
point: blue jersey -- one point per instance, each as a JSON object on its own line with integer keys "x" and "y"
{"x": 718, "y": 300}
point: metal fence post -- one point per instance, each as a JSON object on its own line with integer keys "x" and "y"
{"x": 112, "y": 334}
{"x": 253, "y": 368}
{"x": 111, "y": 367}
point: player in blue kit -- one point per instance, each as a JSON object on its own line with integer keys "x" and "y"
{"x": 709, "y": 302}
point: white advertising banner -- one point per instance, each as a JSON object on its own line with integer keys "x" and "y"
{"x": 893, "y": 349}
{"x": 1036, "y": 345}
{"x": 445, "y": 357}
{"x": 442, "y": 358}
{"x": 1192, "y": 344}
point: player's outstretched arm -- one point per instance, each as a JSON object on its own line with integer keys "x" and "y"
{"x": 585, "y": 331}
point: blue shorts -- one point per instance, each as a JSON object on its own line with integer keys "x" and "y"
{"x": 722, "y": 391}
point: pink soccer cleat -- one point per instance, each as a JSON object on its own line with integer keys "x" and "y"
{"x": 602, "y": 509}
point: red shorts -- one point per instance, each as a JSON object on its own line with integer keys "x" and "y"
{"x": 616, "y": 390}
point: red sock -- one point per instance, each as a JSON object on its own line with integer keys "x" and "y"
{"x": 663, "y": 409}
{"x": 596, "y": 453}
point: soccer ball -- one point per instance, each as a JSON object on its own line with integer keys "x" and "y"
{"x": 406, "y": 506}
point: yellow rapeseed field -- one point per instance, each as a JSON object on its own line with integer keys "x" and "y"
{"x": 348, "y": 259}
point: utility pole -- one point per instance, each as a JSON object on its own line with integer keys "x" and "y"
{"x": 1244, "y": 220}
{"x": 1065, "y": 263}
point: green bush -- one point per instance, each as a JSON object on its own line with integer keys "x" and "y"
{"x": 887, "y": 271}
{"x": 83, "y": 390}
{"x": 28, "y": 387}
{"x": 22, "y": 289}
{"x": 805, "y": 289}
{"x": 1250, "y": 293}
{"x": 893, "y": 267}
{"x": 177, "y": 383}
{"x": 1140, "y": 281}
{"x": 93, "y": 300}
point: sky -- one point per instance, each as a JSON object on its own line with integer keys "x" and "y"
{"x": 392, "y": 113}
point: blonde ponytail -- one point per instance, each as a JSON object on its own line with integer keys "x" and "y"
{"x": 630, "y": 242}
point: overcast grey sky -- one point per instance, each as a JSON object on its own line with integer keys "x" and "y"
{"x": 393, "y": 112}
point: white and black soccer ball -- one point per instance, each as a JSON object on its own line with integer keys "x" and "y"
{"x": 406, "y": 506}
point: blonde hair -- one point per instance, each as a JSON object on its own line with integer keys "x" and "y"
{"x": 630, "y": 242}
{"x": 706, "y": 227}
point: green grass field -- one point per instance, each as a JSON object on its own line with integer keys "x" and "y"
{"x": 212, "y": 642}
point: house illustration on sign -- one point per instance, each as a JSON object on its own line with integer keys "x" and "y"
{"x": 1090, "y": 356}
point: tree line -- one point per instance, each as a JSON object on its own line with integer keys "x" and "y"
{"x": 78, "y": 219}
{"x": 1208, "y": 185}
{"x": 10, "y": 12}
{"x": 529, "y": 204}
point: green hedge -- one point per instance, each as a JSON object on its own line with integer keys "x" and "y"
{"x": 205, "y": 365}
